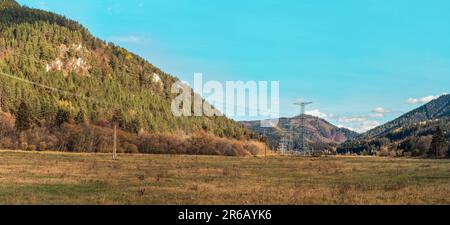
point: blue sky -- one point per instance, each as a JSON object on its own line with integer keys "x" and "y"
{"x": 362, "y": 62}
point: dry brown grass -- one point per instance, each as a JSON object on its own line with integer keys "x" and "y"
{"x": 59, "y": 178}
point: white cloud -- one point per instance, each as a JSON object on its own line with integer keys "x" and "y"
{"x": 363, "y": 126}
{"x": 351, "y": 119}
{"x": 346, "y": 127}
{"x": 359, "y": 124}
{"x": 423, "y": 100}
{"x": 367, "y": 125}
{"x": 381, "y": 110}
{"x": 317, "y": 113}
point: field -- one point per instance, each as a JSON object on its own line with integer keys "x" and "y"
{"x": 60, "y": 178}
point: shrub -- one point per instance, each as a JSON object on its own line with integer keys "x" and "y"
{"x": 255, "y": 148}
{"x": 31, "y": 148}
{"x": 131, "y": 148}
{"x": 23, "y": 146}
{"x": 42, "y": 146}
{"x": 384, "y": 153}
{"x": 224, "y": 148}
{"x": 7, "y": 143}
{"x": 86, "y": 137}
{"x": 407, "y": 154}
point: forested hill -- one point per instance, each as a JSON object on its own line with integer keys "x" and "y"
{"x": 54, "y": 51}
{"x": 67, "y": 87}
{"x": 424, "y": 131}
{"x": 436, "y": 109}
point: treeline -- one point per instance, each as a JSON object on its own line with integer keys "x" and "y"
{"x": 95, "y": 79}
{"x": 78, "y": 135}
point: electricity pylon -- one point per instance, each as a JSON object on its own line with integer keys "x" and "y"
{"x": 283, "y": 145}
{"x": 302, "y": 105}
{"x": 114, "y": 155}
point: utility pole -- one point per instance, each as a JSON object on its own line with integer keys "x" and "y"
{"x": 114, "y": 156}
{"x": 117, "y": 119}
{"x": 263, "y": 139}
{"x": 1, "y": 99}
{"x": 265, "y": 144}
{"x": 302, "y": 105}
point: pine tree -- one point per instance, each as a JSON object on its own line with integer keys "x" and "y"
{"x": 448, "y": 151}
{"x": 438, "y": 144}
{"x": 134, "y": 126}
{"x": 23, "y": 118}
{"x": 23, "y": 121}
{"x": 80, "y": 118}
{"x": 118, "y": 118}
{"x": 62, "y": 116}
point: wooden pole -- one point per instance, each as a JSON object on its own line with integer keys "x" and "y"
{"x": 263, "y": 139}
{"x": 265, "y": 144}
{"x": 115, "y": 143}
{"x": 1, "y": 100}
{"x": 265, "y": 151}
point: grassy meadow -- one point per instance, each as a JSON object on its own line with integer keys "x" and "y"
{"x": 66, "y": 178}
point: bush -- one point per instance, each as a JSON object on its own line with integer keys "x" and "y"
{"x": 384, "y": 153}
{"x": 255, "y": 148}
{"x": 407, "y": 154}
{"x": 42, "y": 146}
{"x": 31, "y": 148}
{"x": 7, "y": 143}
{"x": 131, "y": 148}
{"x": 225, "y": 148}
{"x": 23, "y": 146}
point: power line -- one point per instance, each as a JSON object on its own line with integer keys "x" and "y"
{"x": 114, "y": 151}
{"x": 226, "y": 105}
{"x": 41, "y": 85}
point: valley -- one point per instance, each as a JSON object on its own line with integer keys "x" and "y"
{"x": 113, "y": 120}
{"x": 76, "y": 178}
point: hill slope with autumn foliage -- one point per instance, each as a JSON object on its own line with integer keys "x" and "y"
{"x": 72, "y": 82}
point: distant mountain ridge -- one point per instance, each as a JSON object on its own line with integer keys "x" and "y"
{"x": 319, "y": 132}
{"x": 436, "y": 109}
{"x": 411, "y": 134}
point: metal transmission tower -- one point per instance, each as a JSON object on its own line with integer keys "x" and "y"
{"x": 283, "y": 146}
{"x": 290, "y": 136}
{"x": 302, "y": 105}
